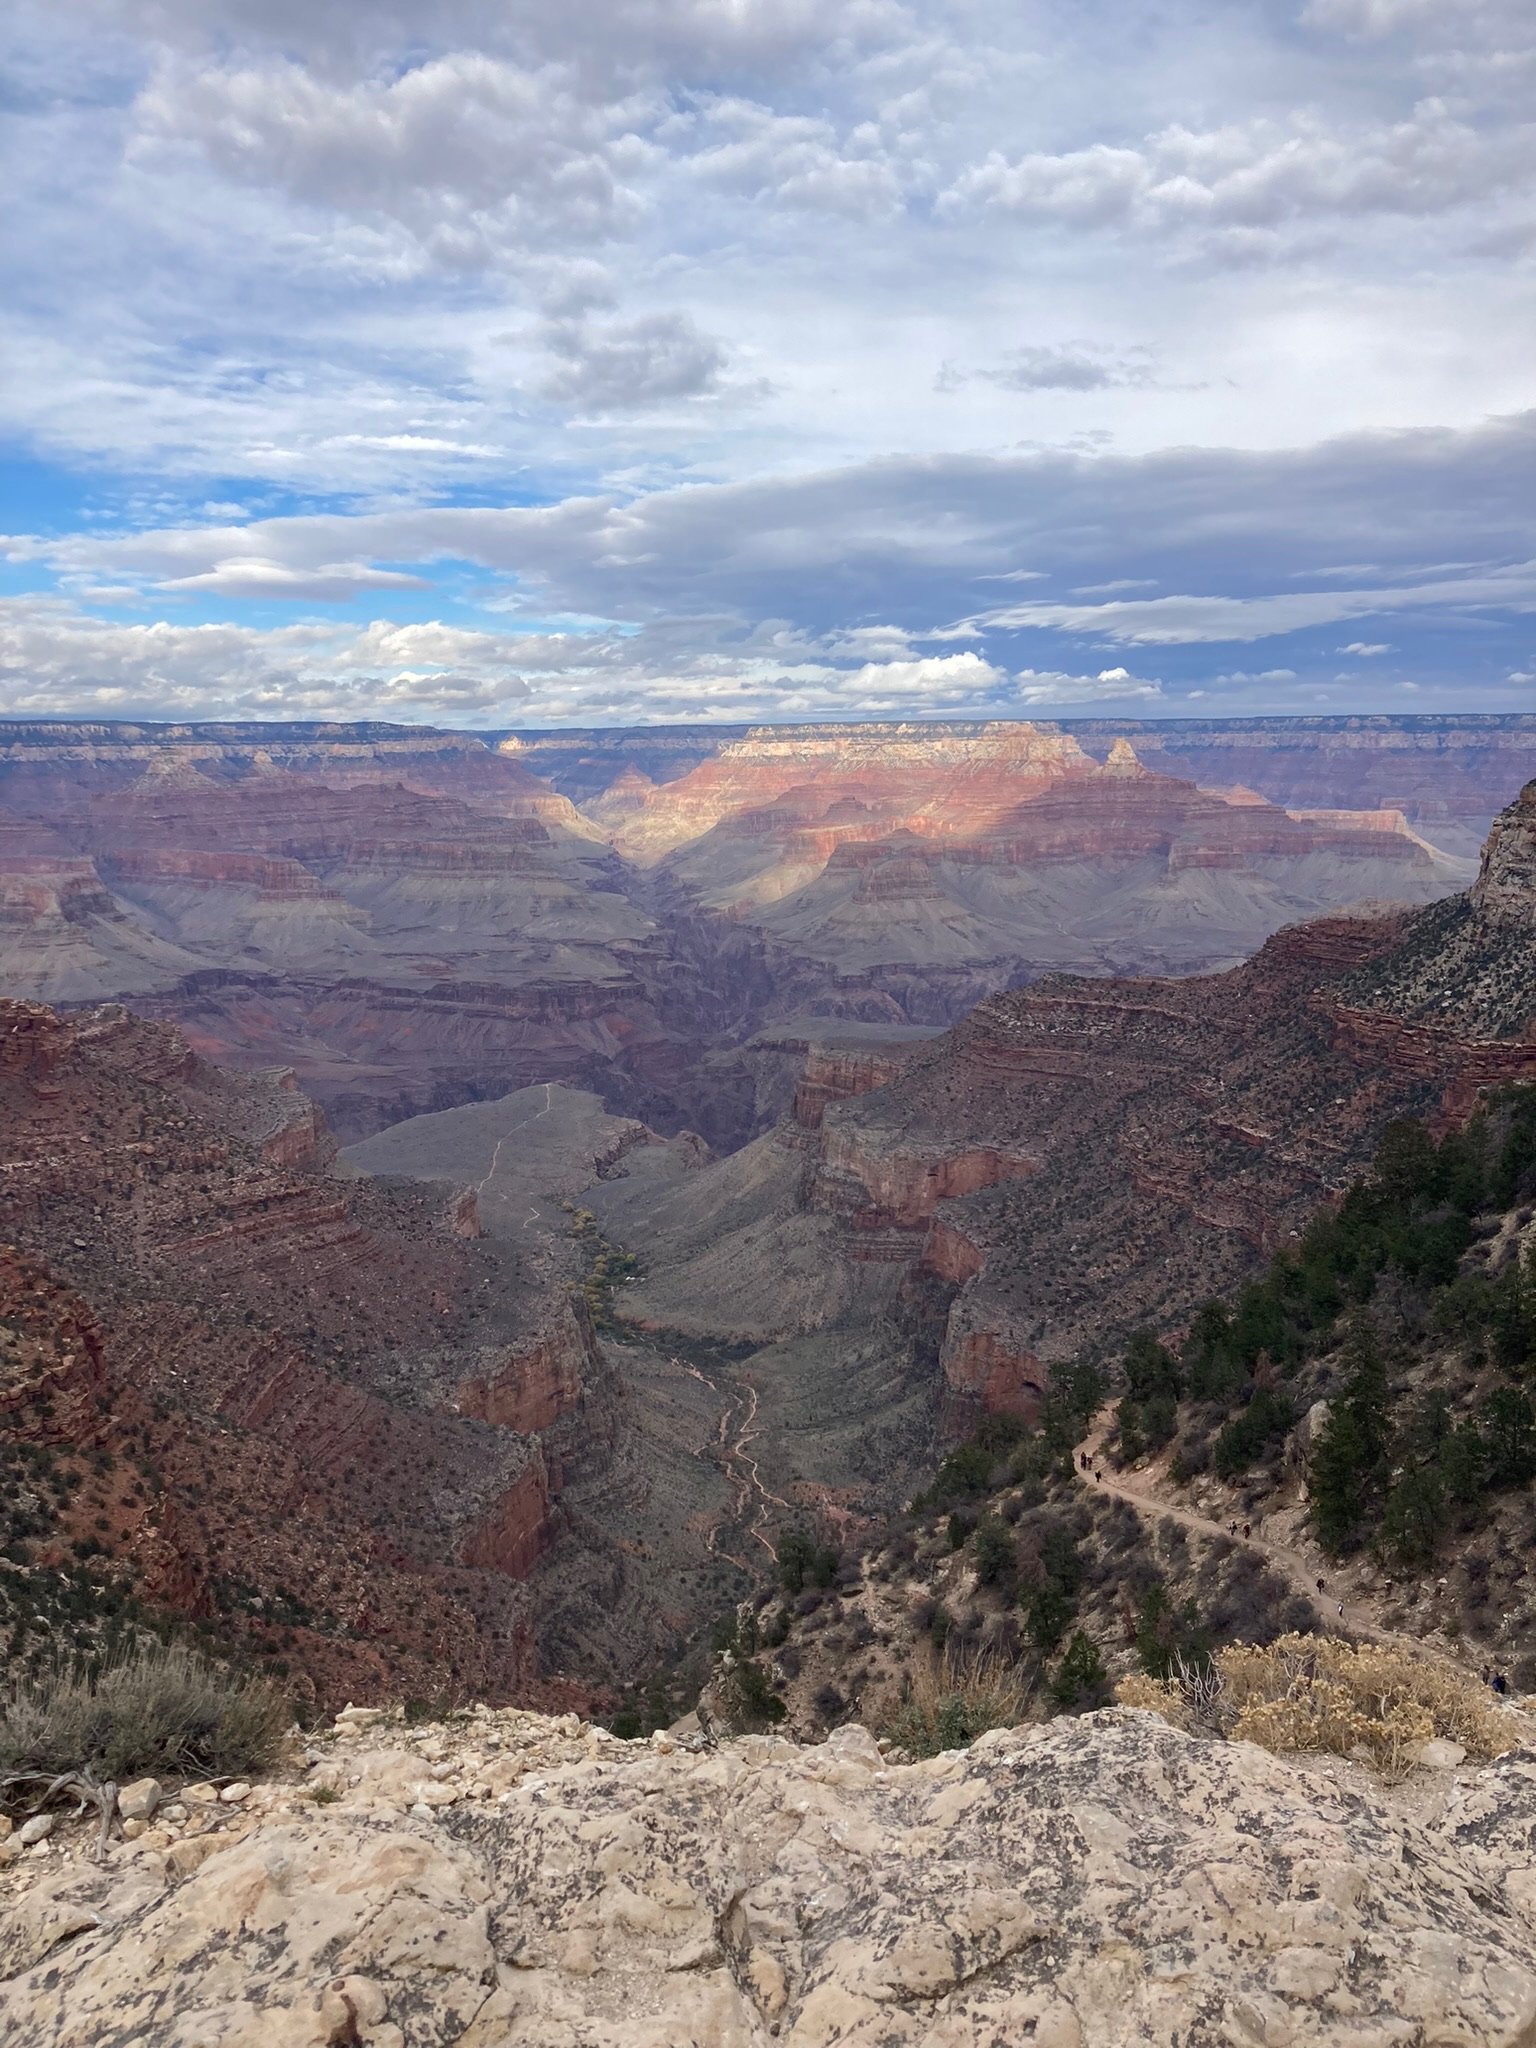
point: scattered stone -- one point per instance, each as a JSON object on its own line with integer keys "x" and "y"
{"x": 138, "y": 1800}
{"x": 200, "y": 1795}
{"x": 37, "y": 1829}
{"x": 236, "y": 1794}
{"x": 1439, "y": 1755}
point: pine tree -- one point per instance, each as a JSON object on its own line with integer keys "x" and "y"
{"x": 1081, "y": 1682}
{"x": 1349, "y": 1459}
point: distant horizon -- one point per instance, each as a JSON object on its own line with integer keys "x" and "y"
{"x": 1096, "y": 723}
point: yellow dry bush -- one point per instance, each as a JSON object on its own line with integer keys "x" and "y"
{"x": 1318, "y": 1693}
{"x": 1155, "y": 1696}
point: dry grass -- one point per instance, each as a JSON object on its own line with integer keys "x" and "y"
{"x": 154, "y": 1709}
{"x": 950, "y": 1699}
{"x": 1317, "y": 1693}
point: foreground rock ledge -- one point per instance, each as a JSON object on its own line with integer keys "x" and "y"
{"x": 1093, "y": 1883}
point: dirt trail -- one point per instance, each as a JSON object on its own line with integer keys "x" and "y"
{"x": 1139, "y": 1489}
{"x": 521, "y": 1125}
{"x": 734, "y": 1431}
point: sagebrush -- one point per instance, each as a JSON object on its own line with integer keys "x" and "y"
{"x": 1319, "y": 1693}
{"x": 154, "y": 1709}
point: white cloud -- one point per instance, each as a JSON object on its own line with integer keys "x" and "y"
{"x": 55, "y": 658}
{"x": 251, "y": 576}
{"x": 1038, "y": 687}
{"x": 628, "y": 365}
{"x": 467, "y": 156}
{"x": 1366, "y": 649}
{"x": 1253, "y": 178}
{"x": 1077, "y": 366}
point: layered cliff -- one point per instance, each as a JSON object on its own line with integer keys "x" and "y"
{"x": 412, "y": 918}
{"x": 1081, "y": 1157}
{"x": 929, "y": 866}
{"x": 1447, "y": 774}
{"x": 310, "y": 1413}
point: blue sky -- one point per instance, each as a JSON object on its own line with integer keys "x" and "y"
{"x": 744, "y": 359}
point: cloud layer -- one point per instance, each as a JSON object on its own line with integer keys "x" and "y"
{"x": 740, "y": 357}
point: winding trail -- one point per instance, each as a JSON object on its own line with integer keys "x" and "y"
{"x": 489, "y": 1174}
{"x": 1138, "y": 1489}
{"x": 733, "y": 1432}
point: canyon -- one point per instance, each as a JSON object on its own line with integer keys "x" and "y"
{"x": 472, "y": 1228}
{"x": 411, "y": 919}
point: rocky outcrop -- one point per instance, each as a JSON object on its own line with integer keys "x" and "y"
{"x": 902, "y": 1185}
{"x": 1101, "y": 1883}
{"x": 1505, "y": 889}
{"x": 251, "y": 1368}
{"x": 511, "y": 1537}
{"x": 533, "y": 1386}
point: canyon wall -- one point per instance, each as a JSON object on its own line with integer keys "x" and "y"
{"x": 313, "y": 1414}
{"x": 1080, "y": 1158}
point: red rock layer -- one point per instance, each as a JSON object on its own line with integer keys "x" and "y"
{"x": 1089, "y": 1156}
{"x": 270, "y": 1361}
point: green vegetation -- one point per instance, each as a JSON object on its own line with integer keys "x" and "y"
{"x": 1081, "y": 1682}
{"x": 950, "y": 1699}
{"x": 608, "y": 1266}
{"x": 1373, "y": 1286}
{"x": 153, "y": 1709}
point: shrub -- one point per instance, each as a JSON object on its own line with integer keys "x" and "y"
{"x": 748, "y": 1698}
{"x": 950, "y": 1699}
{"x": 992, "y": 1547}
{"x": 153, "y": 1709}
{"x": 1318, "y": 1693}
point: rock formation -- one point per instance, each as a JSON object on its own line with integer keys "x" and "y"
{"x": 1083, "y": 1156}
{"x": 413, "y": 918}
{"x": 1448, "y": 775}
{"x": 1106, "y": 1882}
{"x": 312, "y": 1413}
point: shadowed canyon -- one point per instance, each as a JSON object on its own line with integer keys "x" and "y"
{"x": 464, "y": 1199}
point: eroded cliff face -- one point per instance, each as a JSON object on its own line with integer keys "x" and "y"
{"x": 533, "y": 1386}
{"x": 1078, "y": 1158}
{"x": 1448, "y": 775}
{"x": 412, "y": 919}
{"x": 312, "y": 1413}
{"x": 1505, "y": 889}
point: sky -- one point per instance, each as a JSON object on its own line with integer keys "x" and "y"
{"x": 514, "y": 363}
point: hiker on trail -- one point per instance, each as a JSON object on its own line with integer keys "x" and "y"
{"x": 1320, "y": 1584}
{"x": 1247, "y": 1530}
{"x": 1097, "y": 1475}
{"x": 1500, "y": 1684}
{"x": 1341, "y": 1610}
{"x": 1231, "y": 1528}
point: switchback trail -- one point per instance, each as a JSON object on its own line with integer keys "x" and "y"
{"x": 734, "y": 1431}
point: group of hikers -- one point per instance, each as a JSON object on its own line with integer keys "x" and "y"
{"x": 1496, "y": 1681}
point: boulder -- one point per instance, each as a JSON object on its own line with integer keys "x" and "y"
{"x": 138, "y": 1800}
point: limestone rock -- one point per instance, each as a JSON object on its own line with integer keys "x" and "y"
{"x": 1092, "y": 1884}
{"x": 1439, "y": 1755}
{"x": 138, "y": 1800}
